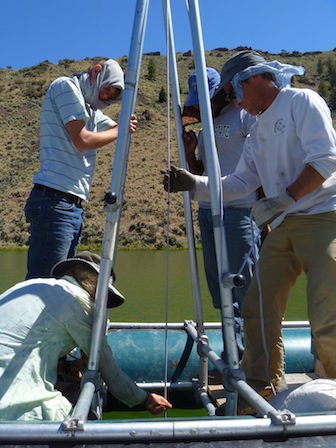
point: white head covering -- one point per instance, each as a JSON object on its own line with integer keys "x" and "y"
{"x": 111, "y": 74}
{"x": 283, "y": 74}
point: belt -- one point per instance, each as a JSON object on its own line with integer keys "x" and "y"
{"x": 47, "y": 190}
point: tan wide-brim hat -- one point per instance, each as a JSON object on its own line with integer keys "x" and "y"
{"x": 91, "y": 261}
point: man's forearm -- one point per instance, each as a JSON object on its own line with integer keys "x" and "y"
{"x": 84, "y": 139}
{"x": 308, "y": 181}
{"x": 195, "y": 166}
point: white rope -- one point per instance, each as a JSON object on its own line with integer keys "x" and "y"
{"x": 222, "y": 217}
{"x": 262, "y": 321}
{"x": 168, "y": 210}
{"x": 254, "y": 238}
{"x": 252, "y": 250}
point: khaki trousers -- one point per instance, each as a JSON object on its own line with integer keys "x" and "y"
{"x": 300, "y": 243}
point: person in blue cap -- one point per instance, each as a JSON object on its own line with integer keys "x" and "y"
{"x": 291, "y": 152}
{"x": 231, "y": 126}
{"x": 72, "y": 128}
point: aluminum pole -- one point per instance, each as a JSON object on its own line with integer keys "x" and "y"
{"x": 182, "y": 158}
{"x": 114, "y": 198}
{"x": 227, "y": 312}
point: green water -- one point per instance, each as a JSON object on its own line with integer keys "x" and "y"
{"x": 150, "y": 280}
{"x": 156, "y": 284}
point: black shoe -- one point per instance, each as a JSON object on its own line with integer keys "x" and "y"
{"x": 243, "y": 407}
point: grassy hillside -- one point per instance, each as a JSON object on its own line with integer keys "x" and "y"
{"x": 144, "y": 212}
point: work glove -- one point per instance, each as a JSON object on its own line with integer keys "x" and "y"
{"x": 266, "y": 210}
{"x": 180, "y": 180}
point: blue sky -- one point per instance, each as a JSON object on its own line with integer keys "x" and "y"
{"x": 35, "y": 30}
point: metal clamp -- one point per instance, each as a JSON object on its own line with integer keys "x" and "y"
{"x": 111, "y": 203}
{"x": 233, "y": 280}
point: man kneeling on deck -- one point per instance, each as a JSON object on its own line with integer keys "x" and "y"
{"x": 42, "y": 320}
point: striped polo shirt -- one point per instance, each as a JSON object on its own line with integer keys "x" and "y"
{"x": 62, "y": 166}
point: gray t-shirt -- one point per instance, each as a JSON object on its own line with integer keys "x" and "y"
{"x": 231, "y": 128}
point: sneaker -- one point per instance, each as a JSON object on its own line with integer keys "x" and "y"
{"x": 245, "y": 408}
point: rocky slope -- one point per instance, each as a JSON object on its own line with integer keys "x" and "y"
{"x": 144, "y": 213}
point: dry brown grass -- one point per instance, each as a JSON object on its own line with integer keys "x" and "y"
{"x": 144, "y": 212}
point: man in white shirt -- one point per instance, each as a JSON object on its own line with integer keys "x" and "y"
{"x": 42, "y": 320}
{"x": 291, "y": 153}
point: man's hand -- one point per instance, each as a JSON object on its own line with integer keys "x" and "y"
{"x": 190, "y": 142}
{"x": 156, "y": 404}
{"x": 266, "y": 210}
{"x": 133, "y": 124}
{"x": 178, "y": 179}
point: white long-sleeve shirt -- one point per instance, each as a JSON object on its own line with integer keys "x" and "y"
{"x": 42, "y": 320}
{"x": 294, "y": 131}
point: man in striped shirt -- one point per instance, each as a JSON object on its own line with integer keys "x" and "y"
{"x": 72, "y": 129}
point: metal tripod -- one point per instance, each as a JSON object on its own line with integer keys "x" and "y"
{"x": 233, "y": 377}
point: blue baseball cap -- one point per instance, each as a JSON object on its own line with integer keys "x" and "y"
{"x": 213, "y": 81}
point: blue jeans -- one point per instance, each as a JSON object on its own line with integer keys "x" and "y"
{"x": 238, "y": 234}
{"x": 55, "y": 231}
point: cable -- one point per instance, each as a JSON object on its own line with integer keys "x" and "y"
{"x": 262, "y": 321}
{"x": 168, "y": 209}
{"x": 252, "y": 250}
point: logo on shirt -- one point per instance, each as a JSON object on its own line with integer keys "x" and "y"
{"x": 222, "y": 130}
{"x": 279, "y": 127}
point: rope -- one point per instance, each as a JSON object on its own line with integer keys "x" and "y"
{"x": 252, "y": 250}
{"x": 222, "y": 241}
{"x": 262, "y": 321}
{"x": 168, "y": 210}
{"x": 255, "y": 238}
